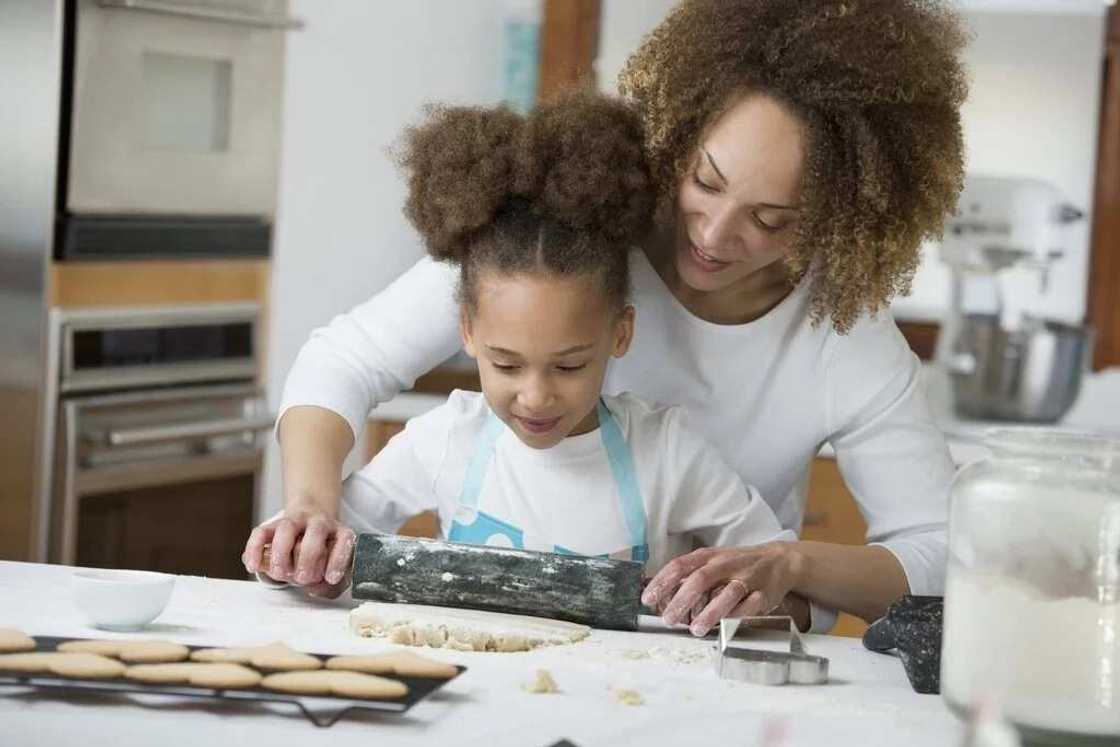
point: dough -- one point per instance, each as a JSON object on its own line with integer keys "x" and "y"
{"x": 628, "y": 697}
{"x": 12, "y": 640}
{"x": 219, "y": 675}
{"x": 542, "y": 684}
{"x": 146, "y": 652}
{"x": 401, "y": 663}
{"x": 464, "y": 630}
{"x": 343, "y": 684}
{"x": 274, "y": 656}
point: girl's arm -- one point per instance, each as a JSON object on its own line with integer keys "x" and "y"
{"x": 361, "y": 358}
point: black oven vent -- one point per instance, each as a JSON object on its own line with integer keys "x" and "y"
{"x": 162, "y": 237}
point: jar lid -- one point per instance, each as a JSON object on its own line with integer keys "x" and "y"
{"x": 1099, "y": 450}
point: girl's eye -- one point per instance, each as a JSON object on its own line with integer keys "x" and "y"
{"x": 504, "y": 367}
{"x": 703, "y": 185}
{"x": 569, "y": 369}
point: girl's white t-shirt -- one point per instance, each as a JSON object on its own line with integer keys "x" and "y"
{"x": 767, "y": 395}
{"x": 564, "y": 496}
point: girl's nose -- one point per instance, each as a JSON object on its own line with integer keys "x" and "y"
{"x": 536, "y": 395}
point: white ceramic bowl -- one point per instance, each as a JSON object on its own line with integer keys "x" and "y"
{"x": 121, "y": 600}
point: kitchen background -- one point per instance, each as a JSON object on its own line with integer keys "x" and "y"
{"x": 353, "y": 74}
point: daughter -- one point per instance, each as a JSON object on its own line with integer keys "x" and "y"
{"x": 538, "y": 214}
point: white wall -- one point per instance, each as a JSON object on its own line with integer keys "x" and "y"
{"x": 1035, "y": 68}
{"x": 622, "y": 26}
{"x": 355, "y": 75}
{"x": 1032, "y": 111}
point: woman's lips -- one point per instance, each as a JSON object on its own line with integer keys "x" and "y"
{"x": 538, "y": 425}
{"x": 704, "y": 261}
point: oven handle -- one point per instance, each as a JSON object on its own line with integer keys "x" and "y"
{"x": 137, "y": 436}
{"x": 259, "y": 20}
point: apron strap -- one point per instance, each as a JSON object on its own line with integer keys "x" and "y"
{"x": 625, "y": 477}
{"x": 480, "y": 461}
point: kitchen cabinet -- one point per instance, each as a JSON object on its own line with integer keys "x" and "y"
{"x": 831, "y": 515}
{"x": 1104, "y": 270}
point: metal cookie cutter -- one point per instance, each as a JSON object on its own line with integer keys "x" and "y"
{"x": 763, "y": 667}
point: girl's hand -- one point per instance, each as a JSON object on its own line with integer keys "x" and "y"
{"x": 713, "y": 583}
{"x": 306, "y": 547}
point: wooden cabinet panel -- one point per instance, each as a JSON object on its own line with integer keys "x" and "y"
{"x": 568, "y": 47}
{"x": 831, "y": 515}
{"x": 196, "y": 528}
{"x": 1104, "y": 269}
{"x": 158, "y": 282}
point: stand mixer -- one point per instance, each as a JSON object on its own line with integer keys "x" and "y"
{"x": 1004, "y": 361}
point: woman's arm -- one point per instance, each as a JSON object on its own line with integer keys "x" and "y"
{"x": 890, "y": 451}
{"x": 894, "y": 460}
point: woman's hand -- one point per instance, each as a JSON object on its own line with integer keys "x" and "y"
{"x": 306, "y": 547}
{"x": 712, "y": 583}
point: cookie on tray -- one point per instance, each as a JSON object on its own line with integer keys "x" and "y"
{"x": 338, "y": 683}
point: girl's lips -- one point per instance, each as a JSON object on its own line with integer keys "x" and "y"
{"x": 704, "y": 261}
{"x": 538, "y": 426}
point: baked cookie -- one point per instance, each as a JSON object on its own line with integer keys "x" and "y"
{"x": 400, "y": 663}
{"x": 220, "y": 676}
{"x": 12, "y": 640}
{"x": 35, "y": 661}
{"x": 63, "y": 664}
{"x": 332, "y": 682}
{"x": 133, "y": 652}
{"x": 85, "y": 666}
{"x": 275, "y": 657}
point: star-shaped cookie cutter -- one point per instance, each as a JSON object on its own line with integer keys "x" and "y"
{"x": 763, "y": 667}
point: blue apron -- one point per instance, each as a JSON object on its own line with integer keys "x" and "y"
{"x": 476, "y": 527}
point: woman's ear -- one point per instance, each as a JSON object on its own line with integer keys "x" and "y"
{"x": 465, "y": 334}
{"x": 623, "y": 331}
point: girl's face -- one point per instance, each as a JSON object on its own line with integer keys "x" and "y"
{"x": 542, "y": 343}
{"x": 738, "y": 203}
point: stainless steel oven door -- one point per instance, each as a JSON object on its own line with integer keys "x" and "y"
{"x": 185, "y": 462}
{"x": 176, "y": 106}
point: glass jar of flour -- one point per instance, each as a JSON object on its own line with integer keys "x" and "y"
{"x": 1032, "y": 598}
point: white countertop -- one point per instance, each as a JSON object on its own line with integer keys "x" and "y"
{"x": 868, "y": 702}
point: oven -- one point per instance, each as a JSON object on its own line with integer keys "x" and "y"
{"x": 158, "y": 438}
{"x": 171, "y": 127}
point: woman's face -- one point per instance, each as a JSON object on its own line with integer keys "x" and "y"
{"x": 542, "y": 343}
{"x": 739, "y": 200}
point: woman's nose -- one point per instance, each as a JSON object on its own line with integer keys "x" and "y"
{"x": 717, "y": 228}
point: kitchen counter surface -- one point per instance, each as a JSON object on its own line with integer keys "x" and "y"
{"x": 868, "y": 701}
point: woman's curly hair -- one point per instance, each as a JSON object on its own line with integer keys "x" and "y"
{"x": 565, "y": 189}
{"x": 878, "y": 85}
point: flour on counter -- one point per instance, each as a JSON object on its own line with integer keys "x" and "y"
{"x": 460, "y": 629}
{"x": 674, "y": 655}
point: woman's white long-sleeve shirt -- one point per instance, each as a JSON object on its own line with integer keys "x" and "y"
{"x": 767, "y": 395}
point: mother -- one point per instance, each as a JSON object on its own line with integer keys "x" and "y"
{"x": 805, "y": 150}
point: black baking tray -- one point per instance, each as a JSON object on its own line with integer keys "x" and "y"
{"x": 320, "y": 710}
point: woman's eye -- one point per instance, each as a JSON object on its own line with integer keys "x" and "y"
{"x": 764, "y": 225}
{"x": 703, "y": 184}
{"x": 504, "y": 367}
{"x": 569, "y": 369}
